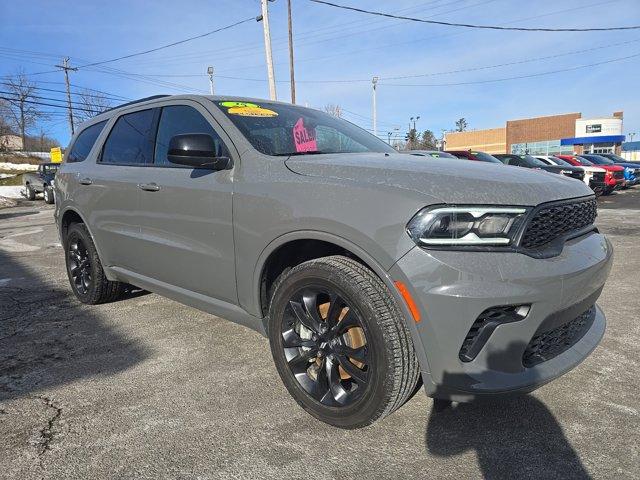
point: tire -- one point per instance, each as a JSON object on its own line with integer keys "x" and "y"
{"x": 86, "y": 276}
{"x": 48, "y": 195}
{"x": 346, "y": 391}
{"x": 31, "y": 193}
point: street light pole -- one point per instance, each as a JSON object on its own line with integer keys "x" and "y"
{"x": 633, "y": 134}
{"x": 210, "y": 73}
{"x": 267, "y": 49}
{"x": 374, "y": 82}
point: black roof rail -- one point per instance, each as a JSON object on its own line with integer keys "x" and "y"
{"x": 152, "y": 97}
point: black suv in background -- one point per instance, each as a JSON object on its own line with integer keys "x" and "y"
{"x": 528, "y": 161}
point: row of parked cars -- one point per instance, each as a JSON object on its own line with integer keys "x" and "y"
{"x": 604, "y": 172}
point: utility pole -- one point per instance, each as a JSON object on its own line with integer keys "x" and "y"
{"x": 374, "y": 82}
{"x": 293, "y": 77}
{"x": 210, "y": 73}
{"x": 65, "y": 67}
{"x": 267, "y": 49}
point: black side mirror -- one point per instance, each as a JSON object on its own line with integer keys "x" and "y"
{"x": 197, "y": 150}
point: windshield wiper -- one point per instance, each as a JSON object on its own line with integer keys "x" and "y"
{"x": 291, "y": 154}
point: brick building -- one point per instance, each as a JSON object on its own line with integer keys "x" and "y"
{"x": 553, "y": 134}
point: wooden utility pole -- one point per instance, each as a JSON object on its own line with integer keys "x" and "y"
{"x": 65, "y": 67}
{"x": 267, "y": 49}
{"x": 293, "y": 78}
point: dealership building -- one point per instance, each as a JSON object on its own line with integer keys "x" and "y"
{"x": 554, "y": 134}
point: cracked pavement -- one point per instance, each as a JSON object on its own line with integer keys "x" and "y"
{"x": 148, "y": 388}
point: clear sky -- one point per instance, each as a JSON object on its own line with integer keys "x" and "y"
{"x": 337, "y": 53}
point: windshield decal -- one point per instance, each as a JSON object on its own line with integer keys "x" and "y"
{"x": 247, "y": 109}
{"x": 304, "y": 138}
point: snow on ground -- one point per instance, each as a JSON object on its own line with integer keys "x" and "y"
{"x": 17, "y": 167}
{"x": 11, "y": 192}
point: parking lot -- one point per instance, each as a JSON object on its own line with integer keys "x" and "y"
{"x": 148, "y": 388}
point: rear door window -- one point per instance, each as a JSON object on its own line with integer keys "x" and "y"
{"x": 84, "y": 143}
{"x": 130, "y": 141}
{"x": 180, "y": 120}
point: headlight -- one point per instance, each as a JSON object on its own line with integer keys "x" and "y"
{"x": 466, "y": 226}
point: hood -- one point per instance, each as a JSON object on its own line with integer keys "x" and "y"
{"x": 557, "y": 168}
{"x": 448, "y": 180}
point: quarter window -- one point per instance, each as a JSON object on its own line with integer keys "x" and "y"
{"x": 84, "y": 143}
{"x": 179, "y": 120}
{"x": 130, "y": 141}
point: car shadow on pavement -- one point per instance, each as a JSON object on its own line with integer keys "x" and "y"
{"x": 49, "y": 339}
{"x": 513, "y": 436}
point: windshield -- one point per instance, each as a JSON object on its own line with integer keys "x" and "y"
{"x": 561, "y": 162}
{"x": 50, "y": 168}
{"x": 283, "y": 130}
{"x": 614, "y": 157}
{"x": 485, "y": 157}
{"x": 532, "y": 161}
{"x": 598, "y": 160}
{"x": 422, "y": 153}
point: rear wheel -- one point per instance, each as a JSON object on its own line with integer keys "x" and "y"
{"x": 86, "y": 276}
{"x": 340, "y": 343}
{"x": 48, "y": 195}
{"x": 31, "y": 193}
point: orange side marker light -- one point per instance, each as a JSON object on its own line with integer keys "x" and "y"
{"x": 411, "y": 304}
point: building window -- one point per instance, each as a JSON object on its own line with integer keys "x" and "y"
{"x": 545, "y": 147}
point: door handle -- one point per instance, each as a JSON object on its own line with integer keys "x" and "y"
{"x": 149, "y": 187}
{"x": 85, "y": 181}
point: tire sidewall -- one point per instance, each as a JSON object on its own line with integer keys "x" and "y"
{"x": 367, "y": 406}
{"x": 78, "y": 231}
{"x": 48, "y": 195}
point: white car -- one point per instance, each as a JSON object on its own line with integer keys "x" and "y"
{"x": 589, "y": 172}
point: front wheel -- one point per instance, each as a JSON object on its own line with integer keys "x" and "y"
{"x": 339, "y": 342}
{"x": 30, "y": 192}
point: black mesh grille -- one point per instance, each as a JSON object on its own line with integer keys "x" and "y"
{"x": 484, "y": 326}
{"x": 618, "y": 174}
{"x": 549, "y": 223}
{"x": 598, "y": 176}
{"x": 546, "y": 345}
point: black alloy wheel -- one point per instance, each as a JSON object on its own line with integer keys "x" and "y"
{"x": 325, "y": 346}
{"x": 79, "y": 265}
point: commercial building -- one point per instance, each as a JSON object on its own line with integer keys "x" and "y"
{"x": 553, "y": 134}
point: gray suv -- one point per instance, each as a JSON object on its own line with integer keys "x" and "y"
{"x": 369, "y": 271}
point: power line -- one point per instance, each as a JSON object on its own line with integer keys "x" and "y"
{"x": 469, "y": 25}
{"x": 477, "y": 82}
{"x": 170, "y": 44}
{"x": 43, "y": 104}
{"x": 106, "y": 96}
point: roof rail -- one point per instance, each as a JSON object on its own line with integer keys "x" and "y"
{"x": 152, "y": 97}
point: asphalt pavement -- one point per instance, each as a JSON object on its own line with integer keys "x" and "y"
{"x": 148, "y": 388}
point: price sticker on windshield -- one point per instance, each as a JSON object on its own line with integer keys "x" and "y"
{"x": 304, "y": 138}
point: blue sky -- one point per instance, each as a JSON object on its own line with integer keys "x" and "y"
{"x": 336, "y": 45}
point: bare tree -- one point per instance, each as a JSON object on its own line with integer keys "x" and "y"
{"x": 90, "y": 105}
{"x": 461, "y": 124}
{"x": 332, "y": 109}
{"x": 20, "y": 106}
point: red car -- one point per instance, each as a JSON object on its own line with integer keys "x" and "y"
{"x": 614, "y": 178}
{"x": 473, "y": 155}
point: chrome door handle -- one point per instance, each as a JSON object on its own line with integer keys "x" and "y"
{"x": 85, "y": 181}
{"x": 149, "y": 187}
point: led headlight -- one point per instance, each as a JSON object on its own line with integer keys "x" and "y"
{"x": 466, "y": 226}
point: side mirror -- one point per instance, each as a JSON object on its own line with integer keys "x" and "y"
{"x": 197, "y": 150}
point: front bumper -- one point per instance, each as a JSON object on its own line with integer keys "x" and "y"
{"x": 453, "y": 288}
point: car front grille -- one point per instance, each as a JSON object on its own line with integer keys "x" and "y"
{"x": 549, "y": 344}
{"x": 555, "y": 220}
{"x": 598, "y": 176}
{"x": 618, "y": 174}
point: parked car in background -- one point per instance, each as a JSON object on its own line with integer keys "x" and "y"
{"x": 529, "y": 161}
{"x": 430, "y": 153}
{"x": 365, "y": 268}
{"x": 473, "y": 155}
{"x": 41, "y": 181}
{"x": 631, "y": 169}
{"x": 593, "y": 176}
{"x": 613, "y": 178}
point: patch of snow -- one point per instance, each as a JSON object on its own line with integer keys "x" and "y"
{"x": 11, "y": 191}
{"x": 17, "y": 167}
